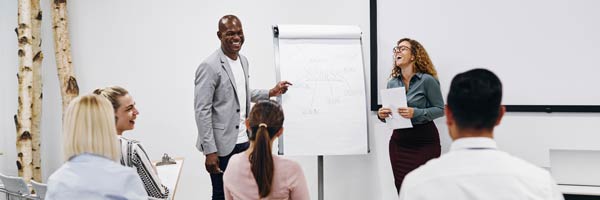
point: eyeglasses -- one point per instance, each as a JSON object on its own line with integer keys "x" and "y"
{"x": 399, "y": 49}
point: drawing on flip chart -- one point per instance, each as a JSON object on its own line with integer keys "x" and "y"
{"x": 325, "y": 77}
{"x": 327, "y": 99}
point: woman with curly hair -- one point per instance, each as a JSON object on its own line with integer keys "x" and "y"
{"x": 412, "y": 147}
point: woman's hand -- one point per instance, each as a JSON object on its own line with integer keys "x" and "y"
{"x": 407, "y": 112}
{"x": 383, "y": 113}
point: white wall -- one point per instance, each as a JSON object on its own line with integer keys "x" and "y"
{"x": 538, "y": 47}
{"x": 8, "y": 71}
{"x": 543, "y": 51}
{"x": 531, "y": 135}
{"x": 153, "y": 48}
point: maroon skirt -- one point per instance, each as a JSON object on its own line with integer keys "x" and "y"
{"x": 411, "y": 148}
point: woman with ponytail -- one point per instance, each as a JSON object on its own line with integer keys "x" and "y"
{"x": 257, "y": 173}
{"x": 132, "y": 153}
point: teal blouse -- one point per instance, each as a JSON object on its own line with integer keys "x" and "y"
{"x": 424, "y": 95}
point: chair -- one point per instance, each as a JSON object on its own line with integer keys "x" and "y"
{"x": 15, "y": 185}
{"x": 39, "y": 188}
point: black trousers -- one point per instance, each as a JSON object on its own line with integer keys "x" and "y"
{"x": 217, "y": 179}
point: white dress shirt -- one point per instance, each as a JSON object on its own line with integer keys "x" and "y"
{"x": 91, "y": 177}
{"x": 240, "y": 81}
{"x": 475, "y": 169}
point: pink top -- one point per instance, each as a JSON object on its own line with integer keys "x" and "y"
{"x": 288, "y": 180}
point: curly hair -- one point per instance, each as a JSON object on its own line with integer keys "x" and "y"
{"x": 423, "y": 63}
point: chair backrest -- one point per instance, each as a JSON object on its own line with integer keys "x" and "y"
{"x": 15, "y": 184}
{"x": 39, "y": 188}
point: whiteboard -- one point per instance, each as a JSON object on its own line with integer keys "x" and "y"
{"x": 325, "y": 108}
{"x": 544, "y": 51}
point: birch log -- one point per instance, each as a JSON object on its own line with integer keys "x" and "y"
{"x": 36, "y": 17}
{"x": 62, "y": 49}
{"x": 25, "y": 78}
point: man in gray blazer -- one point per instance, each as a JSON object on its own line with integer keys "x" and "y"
{"x": 222, "y": 101}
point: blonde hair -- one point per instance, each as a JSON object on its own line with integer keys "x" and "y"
{"x": 89, "y": 127}
{"x": 423, "y": 63}
{"x": 112, "y": 93}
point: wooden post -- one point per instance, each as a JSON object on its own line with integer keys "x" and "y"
{"x": 36, "y": 17}
{"x": 62, "y": 49}
{"x": 25, "y": 77}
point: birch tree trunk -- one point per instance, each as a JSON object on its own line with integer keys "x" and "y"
{"x": 62, "y": 49}
{"x": 25, "y": 77}
{"x": 36, "y": 17}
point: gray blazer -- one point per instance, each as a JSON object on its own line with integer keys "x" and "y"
{"x": 217, "y": 106}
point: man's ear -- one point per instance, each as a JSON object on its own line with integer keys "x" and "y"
{"x": 500, "y": 115}
{"x": 219, "y": 34}
{"x": 449, "y": 116}
{"x": 451, "y": 123}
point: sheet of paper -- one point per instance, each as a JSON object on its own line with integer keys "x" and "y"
{"x": 395, "y": 98}
{"x": 169, "y": 175}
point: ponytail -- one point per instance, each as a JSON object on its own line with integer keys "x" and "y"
{"x": 262, "y": 135}
{"x": 112, "y": 93}
{"x": 261, "y": 160}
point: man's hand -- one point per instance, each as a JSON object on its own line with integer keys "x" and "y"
{"x": 212, "y": 163}
{"x": 279, "y": 89}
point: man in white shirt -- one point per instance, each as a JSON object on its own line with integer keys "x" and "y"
{"x": 475, "y": 168}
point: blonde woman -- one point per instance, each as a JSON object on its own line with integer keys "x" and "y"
{"x": 132, "y": 152}
{"x": 409, "y": 148}
{"x": 92, "y": 170}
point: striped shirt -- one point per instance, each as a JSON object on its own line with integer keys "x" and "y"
{"x": 133, "y": 155}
